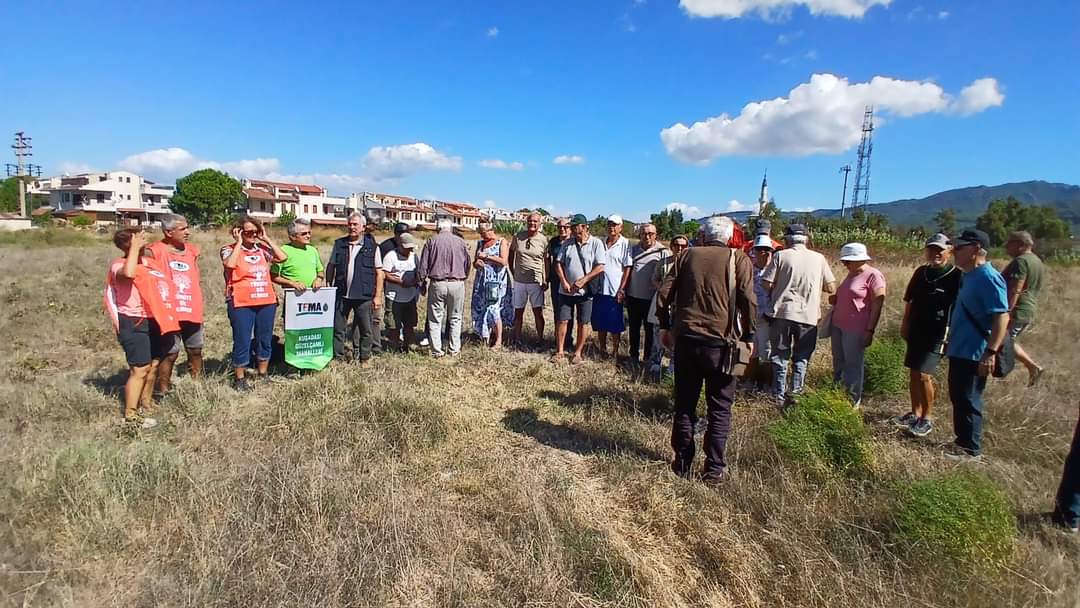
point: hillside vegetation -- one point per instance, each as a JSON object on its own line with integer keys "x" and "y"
{"x": 494, "y": 479}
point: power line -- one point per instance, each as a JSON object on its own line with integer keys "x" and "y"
{"x": 22, "y": 169}
{"x": 860, "y": 192}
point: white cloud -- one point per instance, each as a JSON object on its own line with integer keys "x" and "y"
{"x": 569, "y": 159}
{"x": 778, "y": 9}
{"x": 686, "y": 210}
{"x": 494, "y": 163}
{"x": 396, "y": 162}
{"x": 175, "y": 162}
{"x": 943, "y": 15}
{"x": 822, "y": 116}
{"x": 982, "y": 94}
{"x": 489, "y": 204}
{"x": 492, "y": 32}
{"x": 788, "y": 38}
{"x": 734, "y": 205}
{"x": 68, "y": 167}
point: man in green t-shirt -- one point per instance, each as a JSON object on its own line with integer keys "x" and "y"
{"x": 1024, "y": 276}
{"x": 303, "y": 269}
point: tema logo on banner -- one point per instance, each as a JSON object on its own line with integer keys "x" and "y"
{"x": 309, "y": 328}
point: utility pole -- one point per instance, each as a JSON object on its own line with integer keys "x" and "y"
{"x": 843, "y": 193}
{"x": 860, "y": 192}
{"x": 22, "y": 169}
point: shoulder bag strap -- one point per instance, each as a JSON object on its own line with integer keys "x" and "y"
{"x": 732, "y": 277}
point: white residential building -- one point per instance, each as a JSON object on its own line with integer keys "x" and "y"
{"x": 107, "y": 198}
{"x": 267, "y": 200}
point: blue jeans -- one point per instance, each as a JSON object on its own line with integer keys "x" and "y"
{"x": 248, "y": 319}
{"x": 795, "y": 341}
{"x": 1067, "y": 505}
{"x": 965, "y": 391}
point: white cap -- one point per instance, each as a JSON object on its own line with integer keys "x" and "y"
{"x": 615, "y": 218}
{"x": 763, "y": 240}
{"x": 854, "y": 252}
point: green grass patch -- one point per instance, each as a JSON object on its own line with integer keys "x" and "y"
{"x": 596, "y": 567}
{"x": 823, "y": 433}
{"x": 99, "y": 488}
{"x": 958, "y": 520}
{"x": 51, "y": 237}
{"x": 885, "y": 371}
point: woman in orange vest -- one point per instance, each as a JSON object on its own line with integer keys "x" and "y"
{"x": 138, "y": 299}
{"x": 249, "y": 295}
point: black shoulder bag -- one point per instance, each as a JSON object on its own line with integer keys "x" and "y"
{"x": 1005, "y": 360}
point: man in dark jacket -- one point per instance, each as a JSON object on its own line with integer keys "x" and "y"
{"x": 355, "y": 269}
{"x": 692, "y": 298}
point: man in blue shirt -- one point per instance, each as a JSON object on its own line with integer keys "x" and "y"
{"x": 979, "y": 321}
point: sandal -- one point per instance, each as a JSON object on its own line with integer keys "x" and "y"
{"x": 557, "y": 358}
{"x": 577, "y": 360}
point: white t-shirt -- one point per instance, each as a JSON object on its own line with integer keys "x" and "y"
{"x": 616, "y": 260}
{"x": 403, "y": 269}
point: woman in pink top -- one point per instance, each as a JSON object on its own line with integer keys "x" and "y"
{"x": 857, "y": 306}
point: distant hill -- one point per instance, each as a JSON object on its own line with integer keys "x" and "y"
{"x": 970, "y": 203}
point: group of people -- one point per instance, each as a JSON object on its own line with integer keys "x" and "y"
{"x": 707, "y": 305}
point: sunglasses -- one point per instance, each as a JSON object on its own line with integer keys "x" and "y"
{"x": 250, "y": 233}
{"x": 563, "y": 227}
{"x": 303, "y": 234}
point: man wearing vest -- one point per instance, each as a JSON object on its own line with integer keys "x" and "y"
{"x": 355, "y": 267}
{"x": 179, "y": 260}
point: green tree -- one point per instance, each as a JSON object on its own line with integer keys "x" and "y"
{"x": 945, "y": 220}
{"x": 1004, "y": 216}
{"x": 286, "y": 218}
{"x": 9, "y": 195}
{"x": 206, "y": 195}
{"x": 668, "y": 222}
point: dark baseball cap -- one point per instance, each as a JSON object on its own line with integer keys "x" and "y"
{"x": 401, "y": 228}
{"x": 578, "y": 219}
{"x": 795, "y": 230}
{"x": 972, "y": 237}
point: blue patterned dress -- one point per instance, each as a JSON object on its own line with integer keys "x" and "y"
{"x": 485, "y": 313}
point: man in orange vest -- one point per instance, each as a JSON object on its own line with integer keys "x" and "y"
{"x": 179, "y": 260}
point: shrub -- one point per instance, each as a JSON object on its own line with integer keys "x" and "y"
{"x": 959, "y": 520}
{"x": 824, "y": 433}
{"x": 82, "y": 220}
{"x": 885, "y": 371}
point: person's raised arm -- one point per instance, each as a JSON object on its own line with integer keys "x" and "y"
{"x": 501, "y": 259}
{"x": 233, "y": 260}
{"x": 131, "y": 262}
{"x": 279, "y": 254}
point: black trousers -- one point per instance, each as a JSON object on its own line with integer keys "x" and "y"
{"x": 638, "y": 310}
{"x": 1067, "y": 503}
{"x": 695, "y": 363}
{"x": 362, "y": 329}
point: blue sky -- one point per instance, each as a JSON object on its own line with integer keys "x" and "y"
{"x": 412, "y": 97}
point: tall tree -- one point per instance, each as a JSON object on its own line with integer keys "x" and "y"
{"x": 206, "y": 195}
{"x": 945, "y": 220}
{"x": 9, "y": 195}
{"x": 1004, "y": 216}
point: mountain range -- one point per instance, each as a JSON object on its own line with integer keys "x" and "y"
{"x": 969, "y": 203}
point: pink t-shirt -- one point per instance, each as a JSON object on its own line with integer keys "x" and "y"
{"x": 852, "y": 310}
{"x": 128, "y": 301}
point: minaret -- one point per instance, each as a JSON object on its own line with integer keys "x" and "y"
{"x": 764, "y": 198}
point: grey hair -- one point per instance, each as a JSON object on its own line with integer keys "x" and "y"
{"x": 1023, "y": 237}
{"x": 641, "y": 227}
{"x": 170, "y": 220}
{"x": 485, "y": 226}
{"x": 357, "y": 214}
{"x": 797, "y": 239}
{"x": 294, "y": 226}
{"x": 444, "y": 224}
{"x": 718, "y": 228}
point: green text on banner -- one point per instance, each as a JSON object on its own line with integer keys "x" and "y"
{"x": 309, "y": 327}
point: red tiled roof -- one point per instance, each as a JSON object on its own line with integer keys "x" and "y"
{"x": 399, "y": 197}
{"x": 302, "y": 188}
{"x": 258, "y": 193}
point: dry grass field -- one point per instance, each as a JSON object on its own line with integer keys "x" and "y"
{"x": 492, "y": 480}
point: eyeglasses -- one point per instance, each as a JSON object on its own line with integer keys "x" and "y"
{"x": 563, "y": 227}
